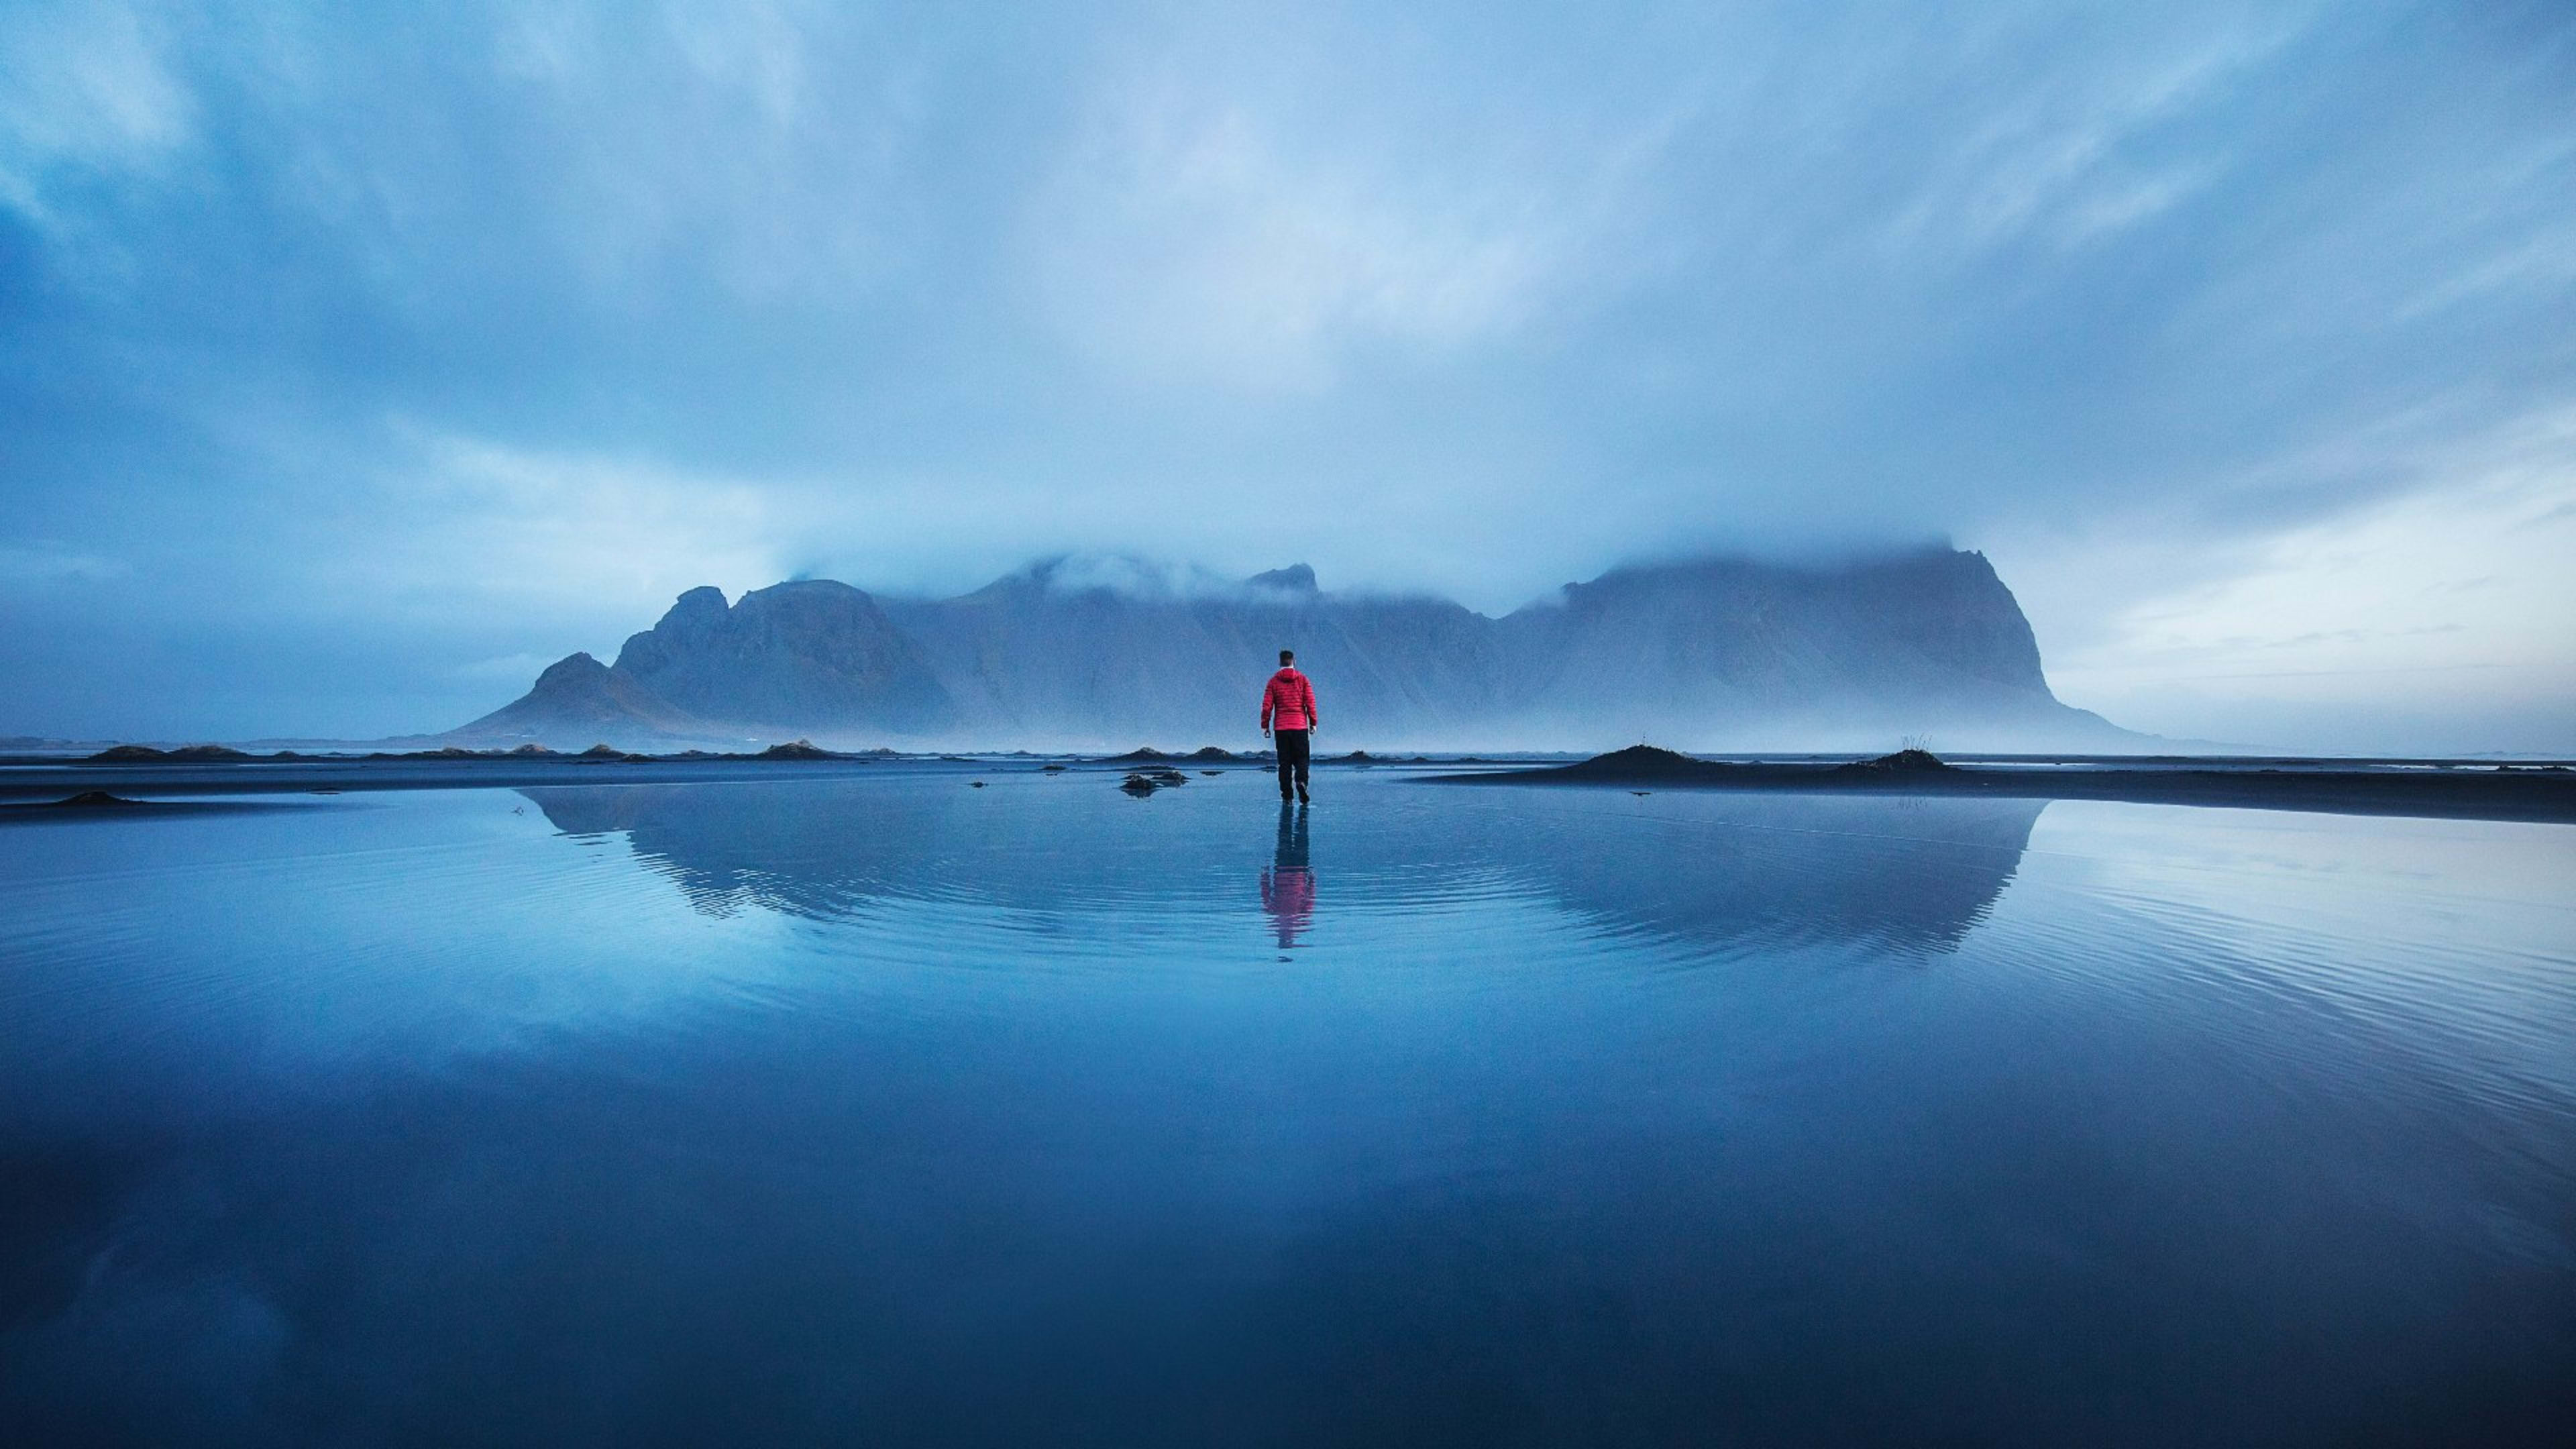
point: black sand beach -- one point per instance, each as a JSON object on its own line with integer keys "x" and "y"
{"x": 2544, "y": 792}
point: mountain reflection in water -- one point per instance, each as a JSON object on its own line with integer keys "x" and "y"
{"x": 1731, "y": 875}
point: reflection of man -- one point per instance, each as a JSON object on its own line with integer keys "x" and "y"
{"x": 1289, "y": 701}
{"x": 1288, "y": 887}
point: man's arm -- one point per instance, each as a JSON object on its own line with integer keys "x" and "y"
{"x": 1267, "y": 690}
{"x": 1314, "y": 721}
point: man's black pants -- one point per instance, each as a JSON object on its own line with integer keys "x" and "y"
{"x": 1292, "y": 760}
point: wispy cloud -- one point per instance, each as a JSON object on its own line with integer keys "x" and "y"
{"x": 486, "y": 524}
{"x": 1197, "y": 226}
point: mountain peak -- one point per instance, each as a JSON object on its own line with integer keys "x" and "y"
{"x": 571, "y": 671}
{"x": 806, "y": 588}
{"x": 1297, "y": 578}
{"x": 700, "y": 608}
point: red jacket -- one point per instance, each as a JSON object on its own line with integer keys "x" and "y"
{"x": 1291, "y": 698}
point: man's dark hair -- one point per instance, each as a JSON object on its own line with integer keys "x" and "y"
{"x": 1287, "y": 654}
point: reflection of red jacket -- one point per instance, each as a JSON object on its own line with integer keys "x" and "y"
{"x": 1291, "y": 699}
{"x": 1289, "y": 897}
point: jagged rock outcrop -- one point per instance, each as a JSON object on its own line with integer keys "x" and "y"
{"x": 808, "y": 655}
{"x": 1708, "y": 654}
{"x": 796, "y": 658}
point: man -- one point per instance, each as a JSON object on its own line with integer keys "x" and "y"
{"x": 1289, "y": 703}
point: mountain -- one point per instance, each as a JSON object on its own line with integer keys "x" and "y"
{"x": 1049, "y": 654}
{"x": 1924, "y": 643}
{"x": 1086, "y": 653}
{"x": 797, "y": 657}
{"x": 800, "y": 658}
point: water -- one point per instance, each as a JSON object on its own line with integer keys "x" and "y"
{"x": 888, "y": 1110}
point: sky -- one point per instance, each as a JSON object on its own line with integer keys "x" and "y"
{"x": 357, "y": 361}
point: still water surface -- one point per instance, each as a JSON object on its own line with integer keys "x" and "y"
{"x": 888, "y": 1110}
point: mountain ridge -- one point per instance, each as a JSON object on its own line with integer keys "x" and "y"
{"x": 1705, "y": 653}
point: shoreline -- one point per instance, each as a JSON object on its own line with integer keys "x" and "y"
{"x": 2534, "y": 794}
{"x": 2461, "y": 790}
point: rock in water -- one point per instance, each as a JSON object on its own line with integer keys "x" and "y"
{"x": 799, "y": 750}
{"x": 1903, "y": 762}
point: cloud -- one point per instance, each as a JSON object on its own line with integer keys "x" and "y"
{"x": 466, "y": 331}
{"x": 88, "y": 90}
{"x": 89, "y": 107}
{"x": 2333, "y": 615}
{"x": 528, "y": 530}
{"x": 1210, "y": 218}
{"x": 2087, "y": 152}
